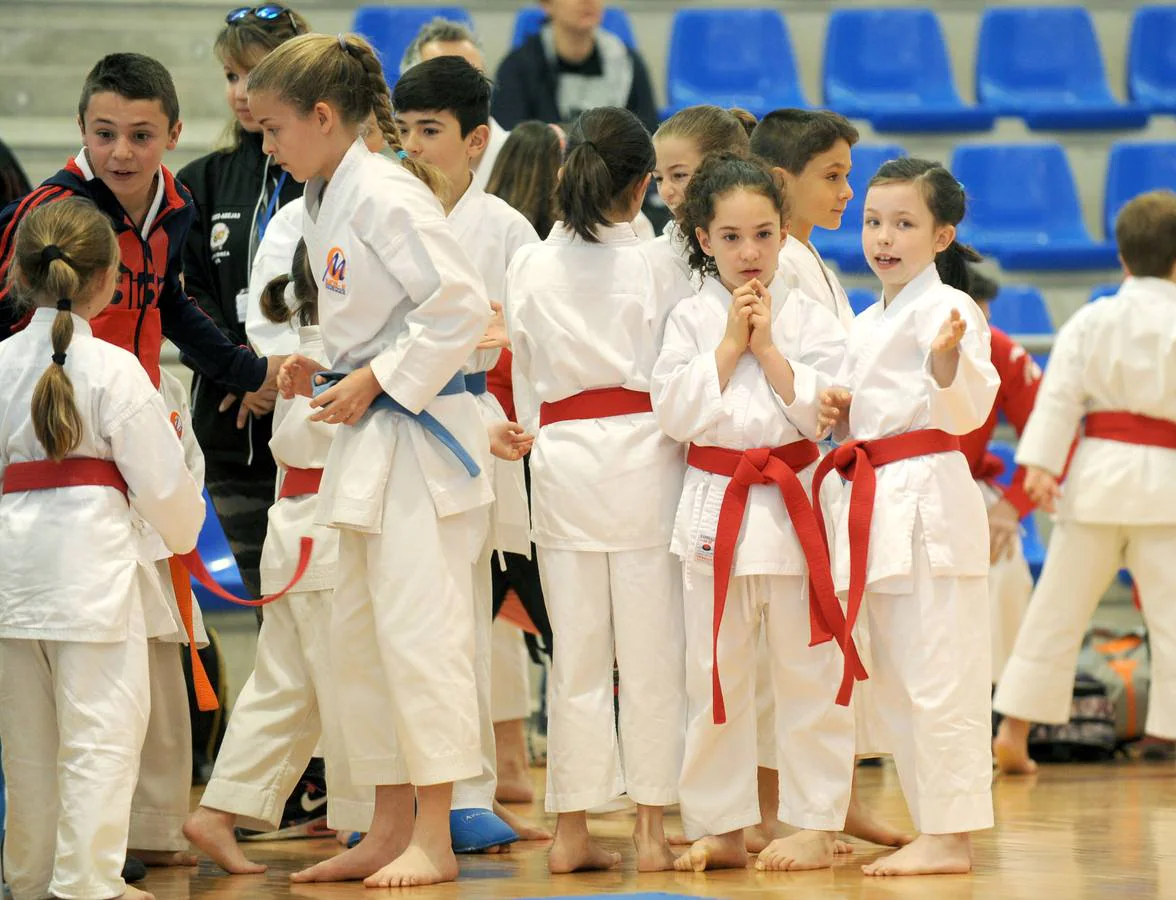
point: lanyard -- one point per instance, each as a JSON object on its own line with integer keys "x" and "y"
{"x": 271, "y": 207}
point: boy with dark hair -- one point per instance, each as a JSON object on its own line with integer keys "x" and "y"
{"x": 809, "y": 149}
{"x": 129, "y": 117}
{"x": 1112, "y": 370}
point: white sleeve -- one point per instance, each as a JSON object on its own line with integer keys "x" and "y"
{"x": 687, "y": 399}
{"x": 1060, "y": 403}
{"x": 275, "y": 256}
{"x": 176, "y": 398}
{"x": 964, "y": 405}
{"x": 816, "y": 363}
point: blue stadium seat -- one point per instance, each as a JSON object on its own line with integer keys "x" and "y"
{"x": 860, "y": 300}
{"x": 1006, "y": 453}
{"x": 1134, "y": 168}
{"x": 1151, "y": 59}
{"x": 732, "y": 57}
{"x": 530, "y": 18}
{"x": 1043, "y": 63}
{"x": 1020, "y": 309}
{"x": 890, "y": 66}
{"x": 390, "y": 29}
{"x": 1031, "y": 544}
{"x": 1104, "y": 290}
{"x": 844, "y": 246}
{"x": 1024, "y": 208}
{"x": 218, "y": 559}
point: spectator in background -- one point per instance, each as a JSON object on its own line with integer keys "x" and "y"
{"x": 444, "y": 37}
{"x": 14, "y": 183}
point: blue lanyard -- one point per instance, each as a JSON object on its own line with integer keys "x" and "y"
{"x": 272, "y": 207}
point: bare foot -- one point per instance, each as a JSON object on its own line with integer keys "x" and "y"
{"x": 514, "y": 789}
{"x": 363, "y": 860}
{"x": 579, "y": 854}
{"x": 928, "y": 854}
{"x": 524, "y": 829}
{"x": 803, "y": 850}
{"x": 863, "y": 824}
{"x": 418, "y": 865}
{"x": 678, "y": 840}
{"x": 758, "y": 837}
{"x": 164, "y": 858}
{"x": 133, "y": 893}
{"x": 653, "y": 850}
{"x": 715, "y": 851}
{"x": 211, "y": 832}
{"x": 1010, "y": 747}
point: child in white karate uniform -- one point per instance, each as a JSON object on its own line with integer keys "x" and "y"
{"x": 918, "y": 374}
{"x": 585, "y": 313}
{"x": 1113, "y": 362}
{"x": 738, "y": 377}
{"x": 85, "y": 448}
{"x": 401, "y": 309}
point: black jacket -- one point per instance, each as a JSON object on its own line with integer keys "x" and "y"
{"x": 225, "y": 186}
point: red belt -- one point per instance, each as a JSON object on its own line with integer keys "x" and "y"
{"x": 300, "y": 482}
{"x": 79, "y": 471}
{"x": 856, "y": 461}
{"x": 1131, "y": 428}
{"x": 602, "y": 403}
{"x": 779, "y": 467}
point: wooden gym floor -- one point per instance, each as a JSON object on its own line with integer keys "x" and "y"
{"x": 1069, "y": 833}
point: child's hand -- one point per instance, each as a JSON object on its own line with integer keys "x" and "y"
{"x": 834, "y": 411}
{"x": 509, "y": 441}
{"x": 739, "y": 318}
{"x": 294, "y": 377}
{"x": 273, "y": 365}
{"x": 1004, "y": 527}
{"x": 950, "y": 333}
{"x": 495, "y": 336}
{"x": 760, "y": 320}
{"x": 348, "y": 400}
{"x": 1042, "y": 488}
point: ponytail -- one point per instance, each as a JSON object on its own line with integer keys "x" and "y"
{"x": 952, "y": 265}
{"x": 585, "y": 191}
{"x": 60, "y": 252}
{"x": 276, "y": 305}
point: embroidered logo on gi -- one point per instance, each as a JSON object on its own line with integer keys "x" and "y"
{"x": 335, "y": 274}
{"x": 178, "y": 425}
{"x": 219, "y": 235}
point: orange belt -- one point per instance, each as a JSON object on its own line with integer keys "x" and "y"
{"x": 79, "y": 471}
{"x": 300, "y": 482}
{"x": 779, "y": 467}
{"x": 856, "y": 461}
{"x": 601, "y": 403}
{"x": 1131, "y": 428}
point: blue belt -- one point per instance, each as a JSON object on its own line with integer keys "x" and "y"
{"x": 475, "y": 383}
{"x": 456, "y": 385}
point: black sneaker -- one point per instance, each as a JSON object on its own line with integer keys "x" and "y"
{"x": 305, "y": 815}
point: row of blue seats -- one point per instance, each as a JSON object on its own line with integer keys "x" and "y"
{"x": 1023, "y": 204}
{"x": 889, "y": 66}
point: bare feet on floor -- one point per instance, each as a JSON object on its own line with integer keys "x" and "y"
{"x": 799, "y": 851}
{"x": 524, "y": 829}
{"x": 133, "y": 893}
{"x": 579, "y": 853}
{"x": 757, "y": 837}
{"x": 1010, "y": 747}
{"x": 211, "y": 831}
{"x": 420, "y": 864}
{"x": 515, "y": 787}
{"x": 365, "y": 859}
{"x": 164, "y": 858}
{"x": 928, "y": 854}
{"x": 863, "y": 824}
{"x": 715, "y": 851}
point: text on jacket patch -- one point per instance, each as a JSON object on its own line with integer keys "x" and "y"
{"x": 335, "y": 273}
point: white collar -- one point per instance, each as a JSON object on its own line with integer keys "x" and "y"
{"x": 469, "y": 198}
{"x": 44, "y": 317}
{"x": 152, "y": 211}
{"x": 914, "y": 289}
{"x": 315, "y": 187}
{"x": 1161, "y": 287}
{"x": 619, "y": 235}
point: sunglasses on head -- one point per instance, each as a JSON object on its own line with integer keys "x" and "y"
{"x": 268, "y": 13}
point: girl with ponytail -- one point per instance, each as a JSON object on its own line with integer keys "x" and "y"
{"x": 402, "y": 310}
{"x": 586, "y": 309}
{"x": 86, "y": 452}
{"x": 917, "y": 375}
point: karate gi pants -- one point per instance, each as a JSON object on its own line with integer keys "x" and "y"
{"x": 930, "y": 652}
{"x": 284, "y": 708}
{"x": 72, "y": 720}
{"x": 813, "y": 737}
{"x": 510, "y": 674}
{"x": 1038, "y": 682}
{"x": 402, "y": 639}
{"x": 604, "y": 606}
{"x": 1010, "y": 585}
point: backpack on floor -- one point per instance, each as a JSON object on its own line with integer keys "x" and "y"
{"x": 208, "y": 728}
{"x": 1121, "y": 661}
{"x": 1089, "y": 736}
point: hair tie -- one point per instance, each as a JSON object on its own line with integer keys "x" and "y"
{"x": 65, "y": 305}
{"x": 51, "y": 252}
{"x": 59, "y": 359}
{"x": 402, "y": 153}
{"x": 343, "y": 45}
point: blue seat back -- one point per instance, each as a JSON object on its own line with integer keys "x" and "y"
{"x": 732, "y": 57}
{"x": 1025, "y": 192}
{"x": 1103, "y": 290}
{"x": 1134, "y": 168}
{"x": 390, "y": 29}
{"x": 860, "y": 300}
{"x": 1005, "y": 453}
{"x": 1037, "y": 54}
{"x": 530, "y": 18}
{"x": 218, "y": 559}
{"x": 1020, "y": 309}
{"x": 1151, "y": 60}
{"x": 891, "y": 56}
